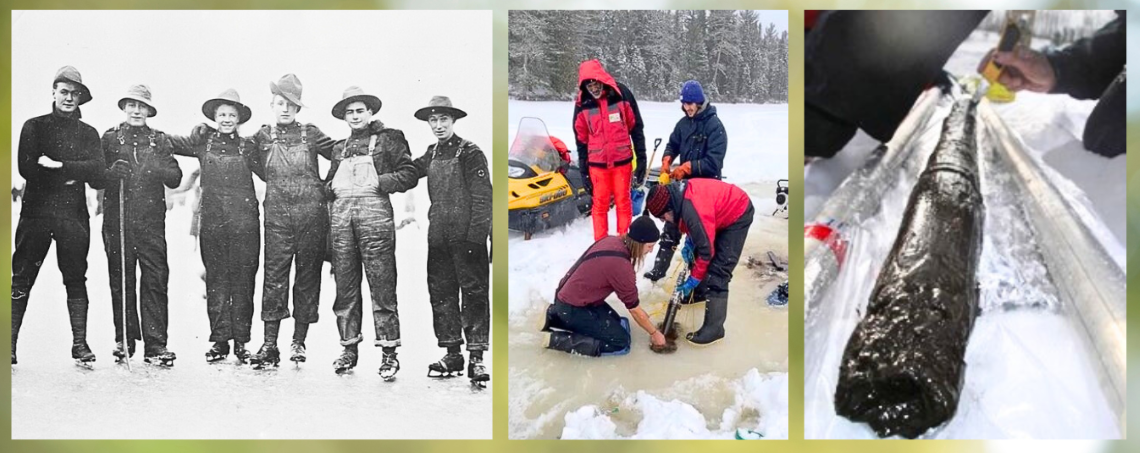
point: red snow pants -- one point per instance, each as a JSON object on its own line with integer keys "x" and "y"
{"x": 611, "y": 182}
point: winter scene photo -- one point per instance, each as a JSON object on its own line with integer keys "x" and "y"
{"x": 251, "y": 225}
{"x": 965, "y": 225}
{"x": 648, "y": 225}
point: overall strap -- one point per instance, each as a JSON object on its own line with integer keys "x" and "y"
{"x": 583, "y": 259}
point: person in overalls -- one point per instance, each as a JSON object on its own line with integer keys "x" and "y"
{"x": 230, "y": 224}
{"x": 296, "y": 220}
{"x": 459, "y": 186}
{"x": 139, "y": 158}
{"x": 366, "y": 167}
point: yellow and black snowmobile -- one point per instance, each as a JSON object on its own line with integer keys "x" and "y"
{"x": 544, "y": 191}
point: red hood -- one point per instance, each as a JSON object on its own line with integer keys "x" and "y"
{"x": 592, "y": 69}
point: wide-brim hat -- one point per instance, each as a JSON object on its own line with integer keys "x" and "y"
{"x": 139, "y": 93}
{"x": 355, "y": 94}
{"x": 439, "y": 104}
{"x": 289, "y": 87}
{"x": 228, "y": 97}
{"x": 71, "y": 75}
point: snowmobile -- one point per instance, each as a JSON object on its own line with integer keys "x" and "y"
{"x": 544, "y": 191}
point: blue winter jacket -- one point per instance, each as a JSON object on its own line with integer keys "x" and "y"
{"x": 700, "y": 140}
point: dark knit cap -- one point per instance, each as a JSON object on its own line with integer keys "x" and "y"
{"x": 658, "y": 200}
{"x": 643, "y": 230}
{"x": 692, "y": 93}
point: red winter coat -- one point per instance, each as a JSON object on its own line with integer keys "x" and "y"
{"x": 605, "y": 124}
{"x": 705, "y": 206}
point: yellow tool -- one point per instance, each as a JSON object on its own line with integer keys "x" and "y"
{"x": 1018, "y": 30}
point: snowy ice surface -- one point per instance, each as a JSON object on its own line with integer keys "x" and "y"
{"x": 757, "y": 134}
{"x": 763, "y": 396}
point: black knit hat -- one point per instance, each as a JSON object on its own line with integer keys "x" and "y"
{"x": 643, "y": 230}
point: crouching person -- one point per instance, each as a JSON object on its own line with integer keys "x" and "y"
{"x": 580, "y": 321}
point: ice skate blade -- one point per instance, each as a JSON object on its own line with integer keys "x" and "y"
{"x": 478, "y": 385}
{"x": 264, "y": 365}
{"x": 444, "y": 375}
{"x": 159, "y": 362}
{"x": 85, "y": 364}
{"x": 297, "y": 359}
{"x": 342, "y": 371}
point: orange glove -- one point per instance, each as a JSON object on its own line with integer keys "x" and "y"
{"x": 665, "y": 161}
{"x": 682, "y": 171}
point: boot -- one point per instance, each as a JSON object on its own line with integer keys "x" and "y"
{"x": 450, "y": 365}
{"x": 160, "y": 356}
{"x": 347, "y": 360}
{"x": 241, "y": 352}
{"x": 77, "y": 309}
{"x": 660, "y": 264}
{"x": 712, "y": 329}
{"x": 476, "y": 371}
{"x": 297, "y": 351}
{"x": 267, "y": 356}
{"x": 118, "y": 352}
{"x": 574, "y": 344}
{"x": 551, "y": 321}
{"x": 390, "y": 366}
{"x": 19, "y": 306}
{"x": 218, "y": 352}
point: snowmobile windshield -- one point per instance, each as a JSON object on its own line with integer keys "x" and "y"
{"x": 532, "y": 149}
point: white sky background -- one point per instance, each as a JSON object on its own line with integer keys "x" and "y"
{"x": 187, "y": 57}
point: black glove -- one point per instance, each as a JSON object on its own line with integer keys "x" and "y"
{"x": 586, "y": 182}
{"x": 638, "y": 177}
{"x": 121, "y": 169}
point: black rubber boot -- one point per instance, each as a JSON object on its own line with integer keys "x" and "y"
{"x": 551, "y": 321}
{"x": 77, "y": 311}
{"x": 660, "y": 264}
{"x": 575, "y": 344}
{"x": 712, "y": 329}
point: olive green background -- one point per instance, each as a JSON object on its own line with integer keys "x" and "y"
{"x": 499, "y": 341}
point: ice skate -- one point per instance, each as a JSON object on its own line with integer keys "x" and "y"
{"x": 160, "y": 356}
{"x": 347, "y": 360}
{"x": 297, "y": 350}
{"x": 218, "y": 352}
{"x": 267, "y": 356}
{"x": 477, "y": 372}
{"x": 451, "y": 365}
{"x": 240, "y": 352}
{"x": 81, "y": 353}
{"x": 118, "y": 352}
{"x": 389, "y": 367}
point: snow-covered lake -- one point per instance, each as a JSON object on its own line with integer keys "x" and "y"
{"x": 739, "y": 383}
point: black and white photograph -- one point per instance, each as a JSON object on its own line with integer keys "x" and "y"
{"x": 217, "y": 199}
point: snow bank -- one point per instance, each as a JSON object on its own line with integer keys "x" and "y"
{"x": 758, "y": 396}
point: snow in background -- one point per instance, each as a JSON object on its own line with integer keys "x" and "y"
{"x": 398, "y": 56}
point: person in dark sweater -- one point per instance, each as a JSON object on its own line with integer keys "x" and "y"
{"x": 459, "y": 186}
{"x": 580, "y": 321}
{"x": 230, "y": 225}
{"x": 57, "y": 154}
{"x": 140, "y": 160}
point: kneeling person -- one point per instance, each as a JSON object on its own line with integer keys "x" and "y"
{"x": 580, "y": 320}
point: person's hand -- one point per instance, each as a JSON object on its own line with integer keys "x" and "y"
{"x": 657, "y": 339}
{"x": 638, "y": 177}
{"x": 688, "y": 287}
{"x": 665, "y": 161}
{"x": 375, "y": 127}
{"x": 682, "y": 171}
{"x": 121, "y": 169}
{"x": 200, "y": 133}
{"x": 48, "y": 162}
{"x": 687, "y": 252}
{"x": 1023, "y": 69}
{"x": 586, "y": 182}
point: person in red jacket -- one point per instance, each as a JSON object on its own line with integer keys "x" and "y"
{"x": 580, "y": 321}
{"x": 563, "y": 153}
{"x": 609, "y": 132}
{"x": 715, "y": 215}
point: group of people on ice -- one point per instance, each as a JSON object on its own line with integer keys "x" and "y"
{"x": 348, "y": 211}
{"x": 712, "y": 215}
